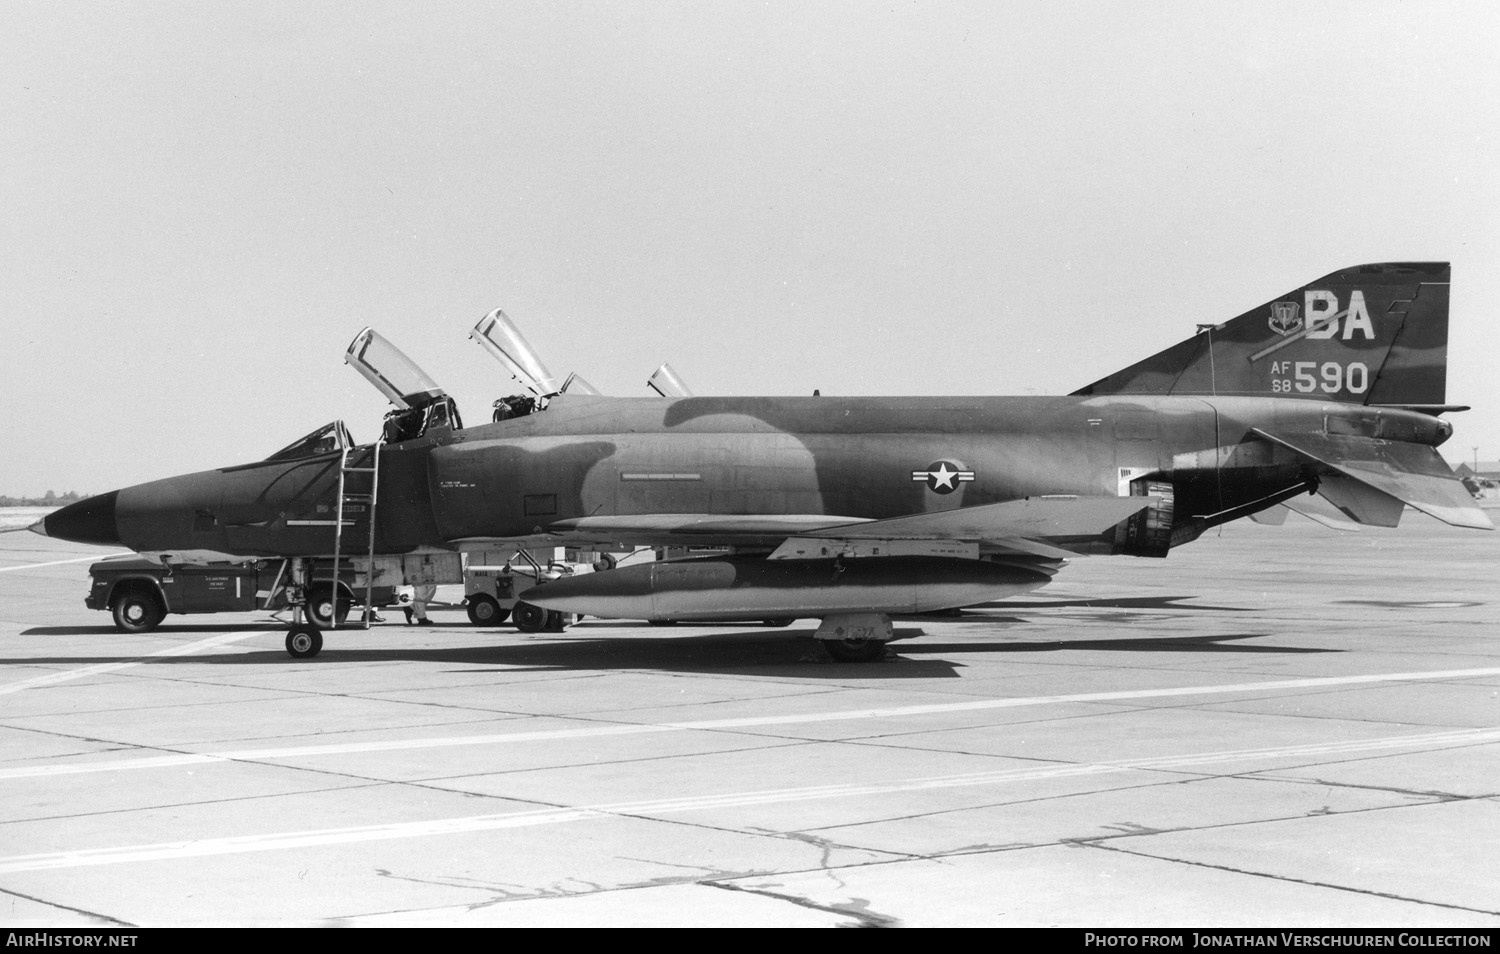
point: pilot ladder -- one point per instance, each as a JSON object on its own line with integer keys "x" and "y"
{"x": 368, "y": 464}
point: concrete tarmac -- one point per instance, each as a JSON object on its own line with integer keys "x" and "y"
{"x": 1274, "y": 726}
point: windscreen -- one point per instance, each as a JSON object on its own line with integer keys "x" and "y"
{"x": 329, "y": 437}
{"x": 396, "y": 375}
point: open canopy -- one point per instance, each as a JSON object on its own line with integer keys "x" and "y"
{"x": 500, "y": 337}
{"x": 391, "y": 371}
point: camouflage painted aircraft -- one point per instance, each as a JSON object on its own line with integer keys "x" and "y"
{"x": 851, "y": 509}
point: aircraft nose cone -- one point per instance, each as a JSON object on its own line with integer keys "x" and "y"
{"x": 87, "y": 521}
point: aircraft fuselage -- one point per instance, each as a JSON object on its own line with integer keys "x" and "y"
{"x": 861, "y": 458}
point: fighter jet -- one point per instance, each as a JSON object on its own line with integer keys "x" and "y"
{"x": 851, "y": 509}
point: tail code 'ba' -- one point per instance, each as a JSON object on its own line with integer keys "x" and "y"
{"x": 1372, "y": 334}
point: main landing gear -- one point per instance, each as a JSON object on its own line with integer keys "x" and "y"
{"x": 855, "y": 637}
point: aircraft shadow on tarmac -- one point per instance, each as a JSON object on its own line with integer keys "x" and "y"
{"x": 1125, "y": 602}
{"x": 743, "y": 650}
{"x": 1222, "y": 643}
{"x": 747, "y": 651}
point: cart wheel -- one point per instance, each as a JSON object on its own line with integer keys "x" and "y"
{"x": 325, "y": 613}
{"x": 486, "y": 611}
{"x": 304, "y": 642}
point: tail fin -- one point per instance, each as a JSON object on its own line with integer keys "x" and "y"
{"x": 1372, "y": 334}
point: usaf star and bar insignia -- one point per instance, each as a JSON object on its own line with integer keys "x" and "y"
{"x": 942, "y": 476}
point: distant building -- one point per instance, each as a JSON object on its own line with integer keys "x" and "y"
{"x": 1482, "y": 480}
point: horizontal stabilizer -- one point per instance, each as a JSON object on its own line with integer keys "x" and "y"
{"x": 1271, "y": 517}
{"x": 1413, "y": 474}
{"x": 1319, "y": 512}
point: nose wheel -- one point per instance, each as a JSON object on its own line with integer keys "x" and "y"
{"x": 304, "y": 642}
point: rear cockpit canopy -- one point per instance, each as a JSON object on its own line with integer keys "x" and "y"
{"x": 502, "y": 339}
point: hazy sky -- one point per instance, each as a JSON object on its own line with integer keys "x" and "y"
{"x": 203, "y": 203}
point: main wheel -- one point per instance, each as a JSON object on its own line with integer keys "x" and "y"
{"x": 855, "y": 650}
{"x": 322, "y": 609}
{"x": 554, "y": 622}
{"x": 485, "y": 610}
{"x": 779, "y": 621}
{"x": 137, "y": 613}
{"x": 304, "y": 642}
{"x": 529, "y": 618}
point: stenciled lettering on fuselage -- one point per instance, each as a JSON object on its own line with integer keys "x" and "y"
{"x": 942, "y": 476}
{"x": 1319, "y": 318}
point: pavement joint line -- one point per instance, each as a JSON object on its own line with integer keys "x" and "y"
{"x": 602, "y": 731}
{"x": 273, "y": 841}
{"x": 1272, "y": 876}
{"x": 96, "y": 557}
{"x": 212, "y": 642}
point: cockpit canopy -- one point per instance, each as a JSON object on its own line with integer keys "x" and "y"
{"x": 501, "y": 338}
{"x": 421, "y": 406}
{"x": 393, "y": 373}
{"x": 665, "y": 382}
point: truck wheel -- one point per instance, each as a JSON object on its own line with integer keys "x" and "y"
{"x": 320, "y": 608}
{"x": 304, "y": 642}
{"x": 855, "y": 650}
{"x": 486, "y": 611}
{"x": 137, "y": 613}
{"x": 528, "y": 617}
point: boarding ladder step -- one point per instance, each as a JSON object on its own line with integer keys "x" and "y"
{"x": 346, "y": 496}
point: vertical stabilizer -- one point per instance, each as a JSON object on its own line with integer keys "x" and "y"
{"x": 1371, "y": 334}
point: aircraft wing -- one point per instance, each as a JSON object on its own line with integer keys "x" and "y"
{"x": 1371, "y": 479}
{"x": 704, "y": 529}
{"x": 1039, "y": 526}
{"x": 1032, "y": 518}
